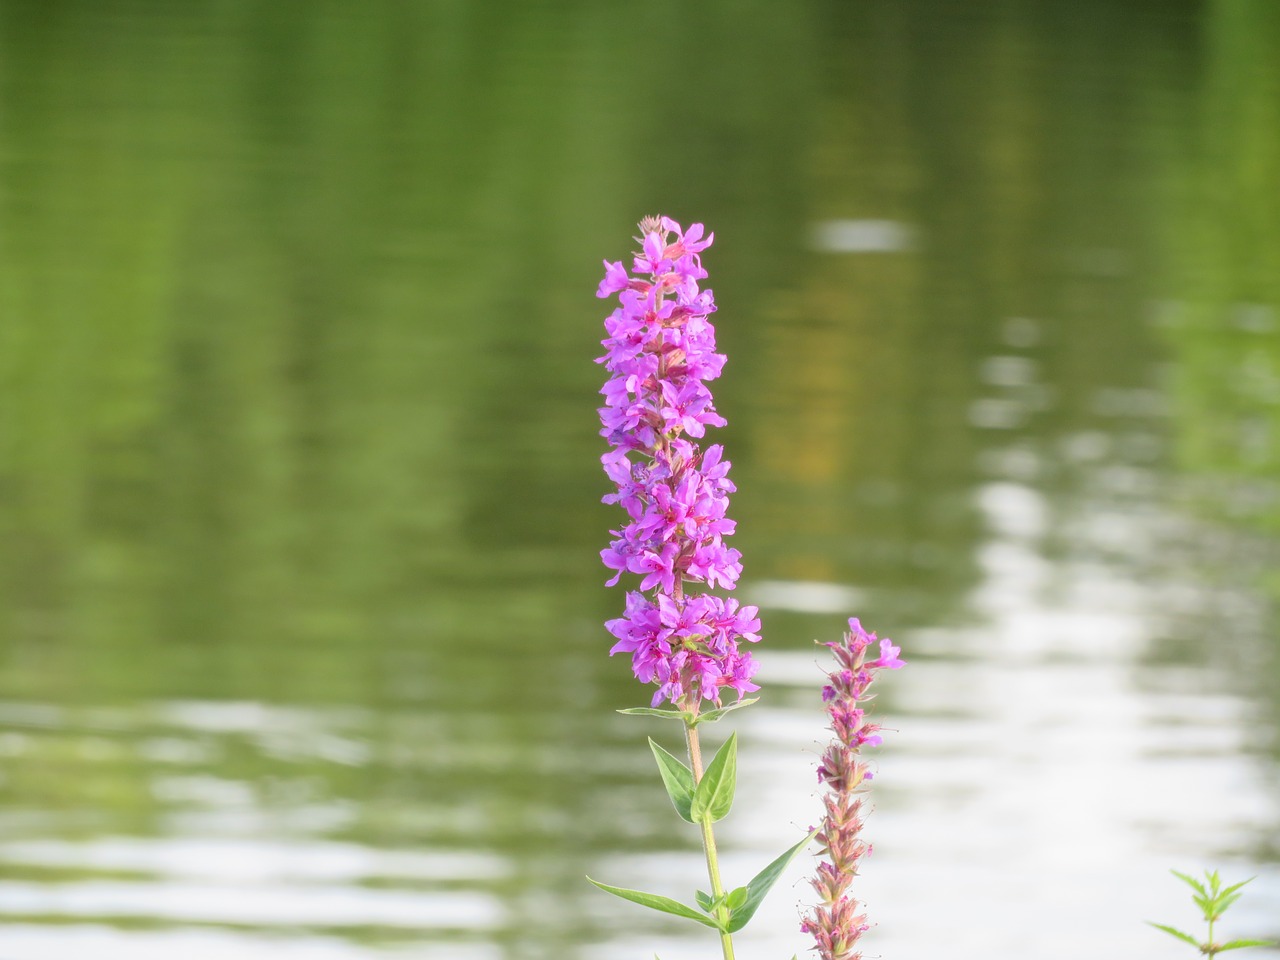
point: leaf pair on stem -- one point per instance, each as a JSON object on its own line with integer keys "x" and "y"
{"x": 703, "y": 802}
{"x": 737, "y": 906}
{"x": 689, "y": 718}
{"x": 710, "y": 798}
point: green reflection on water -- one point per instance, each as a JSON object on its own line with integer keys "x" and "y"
{"x": 1224, "y": 329}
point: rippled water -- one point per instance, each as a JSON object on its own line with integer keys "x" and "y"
{"x": 300, "y": 605}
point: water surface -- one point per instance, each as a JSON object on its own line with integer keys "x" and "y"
{"x": 300, "y": 605}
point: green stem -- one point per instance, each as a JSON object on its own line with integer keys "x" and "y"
{"x": 708, "y": 838}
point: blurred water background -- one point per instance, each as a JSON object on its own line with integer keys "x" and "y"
{"x": 301, "y": 651}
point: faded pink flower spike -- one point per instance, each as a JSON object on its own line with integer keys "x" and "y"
{"x": 837, "y": 922}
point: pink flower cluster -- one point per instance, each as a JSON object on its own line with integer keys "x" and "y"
{"x": 660, "y": 351}
{"x": 837, "y": 922}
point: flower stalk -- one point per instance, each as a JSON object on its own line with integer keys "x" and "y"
{"x": 709, "y": 841}
{"x": 660, "y": 353}
{"x": 836, "y": 922}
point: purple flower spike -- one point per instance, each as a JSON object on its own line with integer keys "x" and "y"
{"x": 837, "y": 921}
{"x": 660, "y": 352}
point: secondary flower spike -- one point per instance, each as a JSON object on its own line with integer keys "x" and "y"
{"x": 837, "y": 922}
{"x": 660, "y": 351}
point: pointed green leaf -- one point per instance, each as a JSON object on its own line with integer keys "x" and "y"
{"x": 1177, "y": 933}
{"x": 711, "y": 716}
{"x": 657, "y": 902}
{"x": 761, "y": 885}
{"x": 1237, "y": 944}
{"x": 677, "y": 778}
{"x": 705, "y": 901}
{"x": 654, "y": 712}
{"x": 1193, "y": 883}
{"x": 736, "y": 898}
{"x": 1224, "y": 900}
{"x": 713, "y": 795}
{"x": 1236, "y": 886}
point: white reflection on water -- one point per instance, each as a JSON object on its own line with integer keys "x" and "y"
{"x": 31, "y": 942}
{"x": 256, "y": 861}
{"x": 1042, "y": 779}
{"x": 258, "y": 904}
{"x": 862, "y": 236}
{"x": 804, "y": 596}
{"x": 235, "y": 850}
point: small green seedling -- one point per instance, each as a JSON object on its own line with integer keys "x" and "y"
{"x": 1213, "y": 900}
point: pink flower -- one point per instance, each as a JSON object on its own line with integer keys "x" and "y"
{"x": 836, "y": 923}
{"x": 660, "y": 353}
{"x": 888, "y": 658}
{"x": 615, "y": 279}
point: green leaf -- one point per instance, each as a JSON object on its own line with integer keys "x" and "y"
{"x": 677, "y": 778}
{"x": 657, "y": 902}
{"x": 1177, "y": 933}
{"x": 705, "y": 901}
{"x": 713, "y": 795}
{"x": 736, "y": 898}
{"x": 711, "y": 716}
{"x": 1236, "y": 886}
{"x": 683, "y": 715}
{"x": 1224, "y": 900}
{"x": 1193, "y": 883}
{"x": 1237, "y": 944}
{"x": 761, "y": 884}
{"x": 687, "y": 716}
